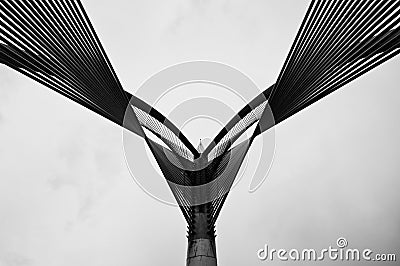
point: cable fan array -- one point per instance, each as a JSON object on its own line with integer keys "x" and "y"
{"x": 54, "y": 43}
{"x": 338, "y": 41}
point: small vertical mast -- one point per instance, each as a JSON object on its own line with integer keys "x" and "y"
{"x": 200, "y": 147}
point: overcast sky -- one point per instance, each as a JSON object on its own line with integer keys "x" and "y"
{"x": 67, "y": 197}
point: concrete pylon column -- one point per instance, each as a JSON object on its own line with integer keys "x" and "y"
{"x": 201, "y": 239}
{"x": 201, "y": 235}
{"x": 201, "y": 252}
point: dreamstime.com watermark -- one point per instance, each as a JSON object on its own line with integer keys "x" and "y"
{"x": 338, "y": 253}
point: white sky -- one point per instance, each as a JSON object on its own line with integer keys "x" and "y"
{"x": 66, "y": 195}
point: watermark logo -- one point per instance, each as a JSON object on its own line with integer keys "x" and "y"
{"x": 341, "y": 242}
{"x": 340, "y": 252}
{"x": 199, "y": 98}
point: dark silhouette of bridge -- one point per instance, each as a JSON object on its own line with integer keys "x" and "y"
{"x": 55, "y": 44}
